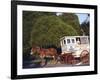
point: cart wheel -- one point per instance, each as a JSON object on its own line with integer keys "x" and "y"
{"x": 68, "y": 59}
{"x": 84, "y": 57}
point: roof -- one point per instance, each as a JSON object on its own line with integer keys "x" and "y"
{"x": 71, "y": 37}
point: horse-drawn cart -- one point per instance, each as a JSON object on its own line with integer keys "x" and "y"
{"x": 75, "y": 49}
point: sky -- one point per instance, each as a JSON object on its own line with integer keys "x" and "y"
{"x": 82, "y": 17}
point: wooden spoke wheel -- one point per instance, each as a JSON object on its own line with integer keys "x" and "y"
{"x": 68, "y": 58}
{"x": 84, "y": 57}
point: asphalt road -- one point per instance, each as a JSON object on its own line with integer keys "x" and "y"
{"x": 65, "y": 65}
{"x": 58, "y": 65}
{"x": 30, "y": 64}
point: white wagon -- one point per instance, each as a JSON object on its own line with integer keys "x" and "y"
{"x": 77, "y": 46}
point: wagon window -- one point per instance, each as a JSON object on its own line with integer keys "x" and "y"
{"x": 64, "y": 42}
{"x": 73, "y": 41}
{"x": 68, "y": 40}
{"x": 84, "y": 40}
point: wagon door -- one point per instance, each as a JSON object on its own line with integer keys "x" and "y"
{"x": 71, "y": 44}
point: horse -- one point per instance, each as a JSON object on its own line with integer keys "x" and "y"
{"x": 43, "y": 52}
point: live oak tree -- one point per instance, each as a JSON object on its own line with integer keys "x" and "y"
{"x": 29, "y": 19}
{"x": 46, "y": 28}
{"x": 49, "y": 29}
{"x": 72, "y": 19}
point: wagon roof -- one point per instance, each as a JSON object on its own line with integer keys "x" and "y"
{"x": 71, "y": 37}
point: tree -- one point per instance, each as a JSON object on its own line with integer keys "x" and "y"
{"x": 29, "y": 19}
{"x": 72, "y": 19}
{"x": 46, "y": 28}
{"x": 49, "y": 29}
{"x": 86, "y": 26}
